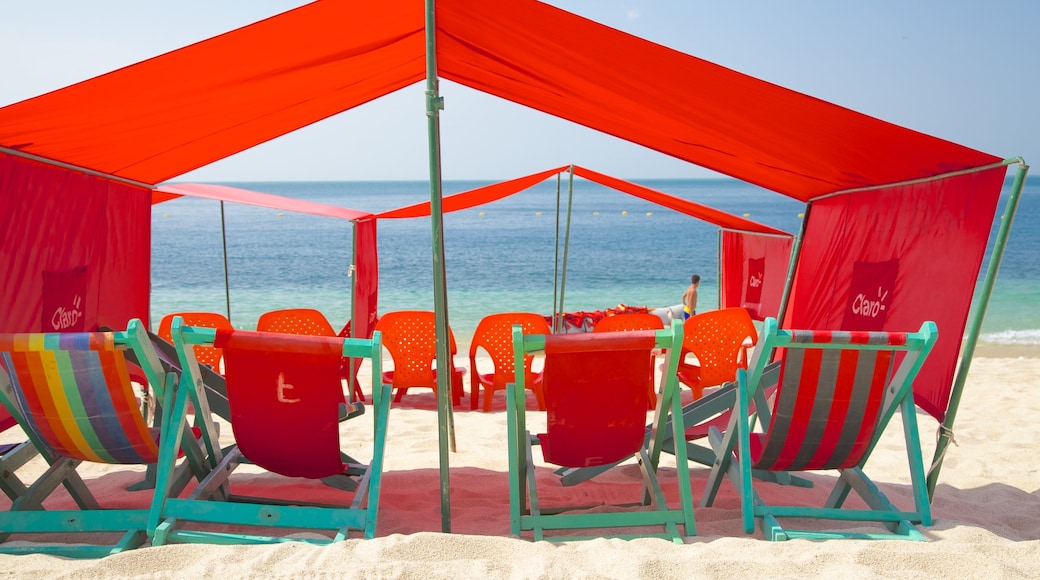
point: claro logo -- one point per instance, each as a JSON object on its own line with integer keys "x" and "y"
{"x": 870, "y": 307}
{"x": 65, "y": 318}
{"x": 755, "y": 281}
{"x": 872, "y": 294}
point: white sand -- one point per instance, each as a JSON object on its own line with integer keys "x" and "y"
{"x": 987, "y": 511}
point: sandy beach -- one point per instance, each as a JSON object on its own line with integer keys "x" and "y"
{"x": 986, "y": 508}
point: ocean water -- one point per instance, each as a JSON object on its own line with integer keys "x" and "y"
{"x": 501, "y": 256}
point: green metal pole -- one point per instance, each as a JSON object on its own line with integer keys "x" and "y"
{"x": 352, "y": 274}
{"x": 975, "y": 328}
{"x": 567, "y": 239}
{"x": 792, "y": 263}
{"x": 227, "y": 283}
{"x": 556, "y": 314}
{"x": 445, "y": 366}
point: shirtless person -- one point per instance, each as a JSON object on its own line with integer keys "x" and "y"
{"x": 689, "y": 297}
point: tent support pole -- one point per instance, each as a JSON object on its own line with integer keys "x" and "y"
{"x": 227, "y": 284}
{"x": 975, "y": 328}
{"x": 556, "y": 314}
{"x": 796, "y": 251}
{"x": 352, "y": 274}
{"x": 445, "y": 421}
{"x": 566, "y": 240}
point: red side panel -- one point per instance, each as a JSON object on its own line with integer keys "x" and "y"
{"x": 366, "y": 279}
{"x": 891, "y": 259}
{"x": 78, "y": 244}
{"x": 753, "y": 272}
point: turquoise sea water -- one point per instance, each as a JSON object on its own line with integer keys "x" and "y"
{"x": 499, "y": 256}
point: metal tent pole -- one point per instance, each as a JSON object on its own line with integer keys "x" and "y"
{"x": 445, "y": 366}
{"x": 972, "y": 338}
{"x": 227, "y": 284}
{"x": 566, "y": 239}
{"x": 556, "y": 314}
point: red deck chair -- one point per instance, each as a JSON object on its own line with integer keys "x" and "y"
{"x": 836, "y": 393}
{"x": 596, "y": 410}
{"x": 635, "y": 321}
{"x": 284, "y": 391}
{"x": 411, "y": 338}
{"x": 494, "y": 334}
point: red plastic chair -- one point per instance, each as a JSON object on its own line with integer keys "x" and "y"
{"x": 411, "y": 338}
{"x": 720, "y": 340}
{"x": 206, "y": 355}
{"x": 494, "y": 334}
{"x": 634, "y": 321}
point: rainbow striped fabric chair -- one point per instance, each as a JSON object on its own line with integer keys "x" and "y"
{"x": 596, "y": 407}
{"x": 835, "y": 395}
{"x": 72, "y": 395}
{"x": 284, "y": 393}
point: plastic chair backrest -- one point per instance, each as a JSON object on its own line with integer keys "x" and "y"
{"x": 494, "y": 334}
{"x": 206, "y": 355}
{"x": 719, "y": 339}
{"x": 306, "y": 321}
{"x": 634, "y": 321}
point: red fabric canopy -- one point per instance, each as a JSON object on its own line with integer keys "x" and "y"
{"x": 168, "y": 115}
{"x": 473, "y": 197}
{"x": 227, "y": 193}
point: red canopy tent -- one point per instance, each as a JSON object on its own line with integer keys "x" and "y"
{"x": 112, "y": 138}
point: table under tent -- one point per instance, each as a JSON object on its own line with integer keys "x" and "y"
{"x": 78, "y": 165}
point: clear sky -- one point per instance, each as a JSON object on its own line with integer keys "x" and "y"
{"x": 966, "y": 71}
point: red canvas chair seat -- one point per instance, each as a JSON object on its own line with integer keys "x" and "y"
{"x": 595, "y": 418}
{"x": 284, "y": 394}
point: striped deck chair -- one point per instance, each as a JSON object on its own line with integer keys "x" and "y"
{"x": 284, "y": 393}
{"x": 596, "y": 407}
{"x": 72, "y": 395}
{"x": 836, "y": 393}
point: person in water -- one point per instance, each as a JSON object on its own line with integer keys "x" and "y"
{"x": 689, "y": 297}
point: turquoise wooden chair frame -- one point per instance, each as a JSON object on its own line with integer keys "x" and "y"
{"x": 837, "y": 392}
{"x": 71, "y": 393}
{"x": 526, "y": 511}
{"x": 305, "y": 449}
{"x": 12, "y": 457}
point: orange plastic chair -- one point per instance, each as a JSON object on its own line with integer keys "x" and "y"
{"x": 411, "y": 338}
{"x": 634, "y": 321}
{"x": 206, "y": 355}
{"x": 494, "y": 334}
{"x": 720, "y": 340}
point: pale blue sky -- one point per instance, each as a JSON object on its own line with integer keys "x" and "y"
{"x": 963, "y": 71}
